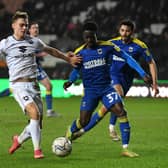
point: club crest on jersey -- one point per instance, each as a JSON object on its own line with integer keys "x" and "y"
{"x": 99, "y": 51}
{"x": 26, "y": 98}
{"x": 130, "y": 49}
{"x": 22, "y": 49}
{"x": 30, "y": 41}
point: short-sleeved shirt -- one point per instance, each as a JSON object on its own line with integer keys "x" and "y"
{"x": 20, "y": 56}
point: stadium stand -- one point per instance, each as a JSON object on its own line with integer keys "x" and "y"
{"x": 64, "y": 18}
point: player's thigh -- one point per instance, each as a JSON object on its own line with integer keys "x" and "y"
{"x": 46, "y": 83}
{"x": 38, "y": 101}
{"x": 35, "y": 109}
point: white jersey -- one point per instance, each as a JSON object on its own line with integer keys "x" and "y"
{"x": 20, "y": 56}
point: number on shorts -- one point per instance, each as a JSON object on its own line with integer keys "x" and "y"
{"x": 112, "y": 96}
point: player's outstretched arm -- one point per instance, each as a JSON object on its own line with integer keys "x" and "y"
{"x": 70, "y": 57}
{"x": 133, "y": 63}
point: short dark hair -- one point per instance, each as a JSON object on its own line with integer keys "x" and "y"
{"x": 18, "y": 15}
{"x": 90, "y": 25}
{"x": 32, "y": 23}
{"x": 127, "y": 22}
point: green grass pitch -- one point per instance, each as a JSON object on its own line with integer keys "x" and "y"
{"x": 149, "y": 137}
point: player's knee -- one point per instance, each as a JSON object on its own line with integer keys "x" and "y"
{"x": 35, "y": 114}
{"x": 124, "y": 119}
{"x": 122, "y": 113}
{"x": 119, "y": 110}
{"x": 32, "y": 111}
{"x": 48, "y": 87}
{"x": 84, "y": 122}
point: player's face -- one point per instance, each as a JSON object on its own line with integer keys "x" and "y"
{"x": 90, "y": 38}
{"x": 20, "y": 28}
{"x": 34, "y": 30}
{"x": 125, "y": 33}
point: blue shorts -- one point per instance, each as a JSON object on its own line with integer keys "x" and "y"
{"x": 92, "y": 96}
{"x": 124, "y": 81}
{"x": 41, "y": 74}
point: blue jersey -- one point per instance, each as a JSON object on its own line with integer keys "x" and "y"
{"x": 137, "y": 49}
{"x": 95, "y": 63}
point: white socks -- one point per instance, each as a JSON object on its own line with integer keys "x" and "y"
{"x": 35, "y": 132}
{"x": 125, "y": 146}
{"x": 32, "y": 130}
{"x": 25, "y": 135}
{"x": 111, "y": 128}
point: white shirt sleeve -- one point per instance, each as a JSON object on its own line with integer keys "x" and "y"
{"x": 2, "y": 46}
{"x": 40, "y": 45}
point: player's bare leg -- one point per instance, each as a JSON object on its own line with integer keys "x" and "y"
{"x": 47, "y": 84}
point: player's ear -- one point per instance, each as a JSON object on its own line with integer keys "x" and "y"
{"x": 13, "y": 25}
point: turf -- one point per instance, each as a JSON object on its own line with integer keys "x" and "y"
{"x": 149, "y": 138}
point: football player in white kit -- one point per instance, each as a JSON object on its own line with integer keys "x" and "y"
{"x": 20, "y": 50}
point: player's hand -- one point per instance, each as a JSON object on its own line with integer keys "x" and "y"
{"x": 67, "y": 85}
{"x": 155, "y": 90}
{"x": 148, "y": 80}
{"x": 74, "y": 59}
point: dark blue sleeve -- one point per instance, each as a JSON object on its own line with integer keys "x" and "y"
{"x": 132, "y": 62}
{"x": 146, "y": 54}
{"x": 74, "y": 75}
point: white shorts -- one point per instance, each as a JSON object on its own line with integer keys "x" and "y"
{"x": 27, "y": 92}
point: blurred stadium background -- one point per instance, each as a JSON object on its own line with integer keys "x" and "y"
{"x": 61, "y": 21}
{"x": 60, "y": 26}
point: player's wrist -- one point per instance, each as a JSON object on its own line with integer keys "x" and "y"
{"x": 144, "y": 74}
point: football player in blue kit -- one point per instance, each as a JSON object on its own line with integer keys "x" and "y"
{"x": 96, "y": 57}
{"x": 122, "y": 75}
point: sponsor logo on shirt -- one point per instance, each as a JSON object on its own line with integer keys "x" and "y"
{"x": 22, "y": 49}
{"x": 24, "y": 55}
{"x": 116, "y": 58}
{"x": 94, "y": 63}
{"x": 130, "y": 49}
